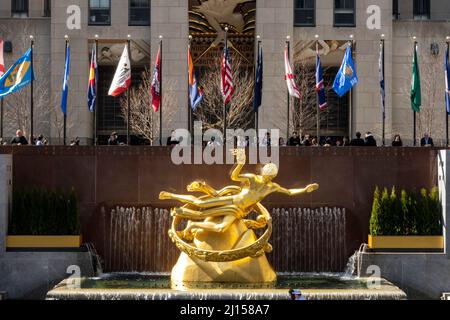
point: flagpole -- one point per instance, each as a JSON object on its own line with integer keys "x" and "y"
{"x": 383, "y": 101}
{"x": 351, "y": 90}
{"x": 161, "y": 90}
{"x": 446, "y": 111}
{"x": 256, "y": 75}
{"x": 225, "y": 99}
{"x": 96, "y": 92}
{"x": 288, "y": 45}
{"x": 65, "y": 113}
{"x": 190, "y": 115}
{"x": 31, "y": 93}
{"x": 1, "y": 119}
{"x": 129, "y": 95}
{"x": 414, "y": 112}
{"x": 318, "y": 102}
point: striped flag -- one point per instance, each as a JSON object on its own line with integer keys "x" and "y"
{"x": 292, "y": 87}
{"x": 156, "y": 83}
{"x": 2, "y": 62}
{"x": 93, "y": 77}
{"x": 447, "y": 80}
{"x": 320, "y": 87}
{"x": 195, "y": 92}
{"x": 227, "y": 76}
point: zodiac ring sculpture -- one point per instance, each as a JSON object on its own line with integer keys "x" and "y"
{"x": 218, "y": 241}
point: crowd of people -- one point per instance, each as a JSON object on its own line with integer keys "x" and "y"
{"x": 266, "y": 141}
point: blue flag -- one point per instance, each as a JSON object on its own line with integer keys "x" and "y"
{"x": 195, "y": 92}
{"x": 320, "y": 86}
{"x": 346, "y": 77}
{"x": 65, "y": 88}
{"x": 447, "y": 81}
{"x": 18, "y": 76}
{"x": 257, "y": 100}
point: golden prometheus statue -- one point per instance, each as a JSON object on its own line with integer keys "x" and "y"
{"x": 218, "y": 240}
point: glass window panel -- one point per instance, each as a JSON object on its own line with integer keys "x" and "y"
{"x": 139, "y": 13}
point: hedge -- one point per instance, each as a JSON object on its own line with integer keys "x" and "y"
{"x": 406, "y": 213}
{"x": 38, "y": 211}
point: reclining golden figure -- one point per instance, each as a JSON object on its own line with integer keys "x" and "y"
{"x": 239, "y": 202}
{"x": 218, "y": 242}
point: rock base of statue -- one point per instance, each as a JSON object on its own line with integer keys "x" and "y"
{"x": 191, "y": 272}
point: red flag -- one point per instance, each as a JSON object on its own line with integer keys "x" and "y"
{"x": 156, "y": 83}
{"x": 122, "y": 78}
{"x": 2, "y": 62}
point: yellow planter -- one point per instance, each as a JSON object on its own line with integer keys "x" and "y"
{"x": 406, "y": 242}
{"x": 43, "y": 241}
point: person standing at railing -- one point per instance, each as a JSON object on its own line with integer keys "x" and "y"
{"x": 426, "y": 141}
{"x": 19, "y": 139}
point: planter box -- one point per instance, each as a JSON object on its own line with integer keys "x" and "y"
{"x": 406, "y": 242}
{"x": 43, "y": 242}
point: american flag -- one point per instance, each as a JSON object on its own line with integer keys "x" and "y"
{"x": 227, "y": 76}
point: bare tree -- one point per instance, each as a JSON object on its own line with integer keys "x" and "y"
{"x": 304, "y": 110}
{"x": 240, "y": 110}
{"x": 144, "y": 120}
{"x": 431, "y": 118}
{"x": 432, "y": 107}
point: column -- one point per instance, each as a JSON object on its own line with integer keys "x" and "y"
{"x": 169, "y": 19}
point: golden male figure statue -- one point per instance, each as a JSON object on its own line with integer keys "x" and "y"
{"x": 222, "y": 244}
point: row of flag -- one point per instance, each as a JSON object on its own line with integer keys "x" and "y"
{"x": 21, "y": 74}
{"x": 345, "y": 80}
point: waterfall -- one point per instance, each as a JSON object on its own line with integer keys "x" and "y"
{"x": 352, "y": 263}
{"x": 308, "y": 240}
{"x": 95, "y": 259}
{"x": 135, "y": 239}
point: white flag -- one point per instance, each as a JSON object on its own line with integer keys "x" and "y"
{"x": 2, "y": 62}
{"x": 122, "y": 77}
{"x": 292, "y": 87}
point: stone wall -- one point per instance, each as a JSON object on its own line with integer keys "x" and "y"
{"x": 135, "y": 175}
{"x": 420, "y": 275}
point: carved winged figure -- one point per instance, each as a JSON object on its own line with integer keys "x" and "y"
{"x": 222, "y": 11}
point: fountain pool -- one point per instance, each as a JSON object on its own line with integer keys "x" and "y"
{"x": 138, "y": 286}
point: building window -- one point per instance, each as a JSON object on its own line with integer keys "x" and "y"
{"x": 139, "y": 13}
{"x": 395, "y": 12}
{"x": 47, "y": 8}
{"x": 100, "y": 12}
{"x": 344, "y": 13}
{"x": 421, "y": 9}
{"x": 304, "y": 13}
{"x": 19, "y": 8}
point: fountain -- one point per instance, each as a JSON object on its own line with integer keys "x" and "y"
{"x": 223, "y": 237}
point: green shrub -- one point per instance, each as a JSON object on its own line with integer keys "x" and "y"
{"x": 375, "y": 217}
{"x": 38, "y": 211}
{"x": 411, "y": 213}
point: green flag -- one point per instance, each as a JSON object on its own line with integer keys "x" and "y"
{"x": 416, "y": 95}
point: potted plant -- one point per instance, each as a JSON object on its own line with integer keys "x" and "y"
{"x": 43, "y": 218}
{"x": 409, "y": 220}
